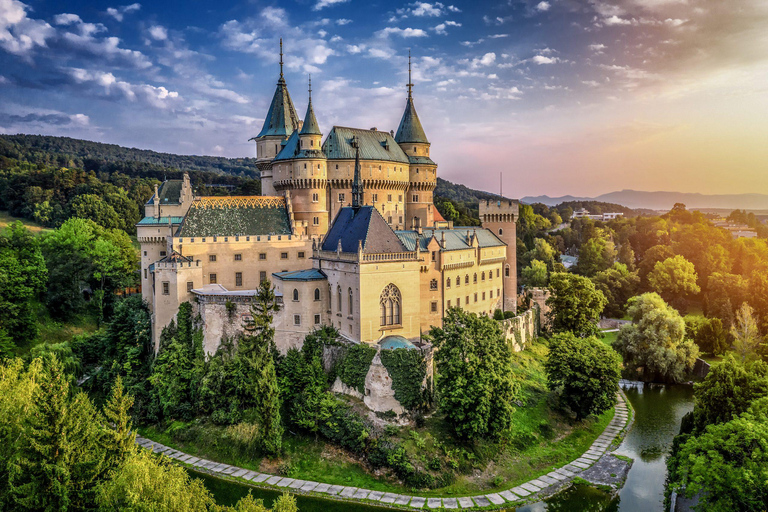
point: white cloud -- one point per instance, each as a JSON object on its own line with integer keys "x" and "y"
{"x": 158, "y": 33}
{"x": 440, "y": 29}
{"x": 120, "y": 12}
{"x": 402, "y": 32}
{"x": 321, "y": 4}
{"x": 615, "y": 20}
{"x": 427, "y": 9}
{"x": 66, "y": 19}
{"x": 486, "y": 60}
{"x": 496, "y": 20}
{"x": 18, "y": 33}
{"x": 590, "y": 83}
{"x": 379, "y": 53}
{"x": 674, "y": 22}
{"x": 355, "y": 48}
{"x": 543, "y": 6}
{"x": 80, "y": 119}
{"x": 343, "y": 21}
{"x": 107, "y": 84}
{"x": 453, "y": 8}
{"x": 598, "y": 48}
{"x": 541, "y": 59}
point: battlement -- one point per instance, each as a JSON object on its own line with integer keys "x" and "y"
{"x": 504, "y": 210}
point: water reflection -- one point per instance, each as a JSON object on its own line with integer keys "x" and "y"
{"x": 658, "y": 411}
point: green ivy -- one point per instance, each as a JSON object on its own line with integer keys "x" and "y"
{"x": 407, "y": 369}
{"x": 353, "y": 369}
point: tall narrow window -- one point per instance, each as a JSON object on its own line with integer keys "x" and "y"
{"x": 390, "y": 301}
{"x": 295, "y": 295}
{"x": 338, "y": 292}
{"x": 506, "y": 271}
{"x": 351, "y": 307}
{"x": 317, "y": 293}
{"x": 238, "y": 279}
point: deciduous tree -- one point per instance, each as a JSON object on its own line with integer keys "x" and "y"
{"x": 575, "y": 304}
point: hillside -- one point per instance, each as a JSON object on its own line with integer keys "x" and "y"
{"x": 663, "y": 200}
{"x": 38, "y": 149}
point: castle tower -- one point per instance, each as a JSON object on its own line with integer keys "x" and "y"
{"x": 281, "y": 121}
{"x": 500, "y": 217}
{"x": 423, "y": 171}
{"x": 309, "y": 180}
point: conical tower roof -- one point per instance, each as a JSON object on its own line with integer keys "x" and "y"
{"x": 410, "y": 129}
{"x": 310, "y": 126}
{"x": 281, "y": 118}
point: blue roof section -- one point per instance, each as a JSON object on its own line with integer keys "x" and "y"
{"x": 362, "y": 226}
{"x": 311, "y": 274}
{"x": 393, "y": 342}
{"x": 310, "y": 126}
{"x": 153, "y": 221}
{"x": 291, "y": 150}
{"x": 455, "y": 239}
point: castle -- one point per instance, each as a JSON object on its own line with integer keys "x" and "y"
{"x": 345, "y": 229}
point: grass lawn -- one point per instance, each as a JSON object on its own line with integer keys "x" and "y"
{"x": 6, "y": 219}
{"x": 608, "y": 337}
{"x": 540, "y": 440}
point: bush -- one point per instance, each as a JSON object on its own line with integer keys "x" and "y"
{"x": 407, "y": 368}
{"x": 353, "y": 369}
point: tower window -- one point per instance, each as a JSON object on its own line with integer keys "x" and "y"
{"x": 506, "y": 271}
{"x": 283, "y": 255}
{"x": 166, "y": 288}
{"x": 415, "y": 198}
{"x": 317, "y": 294}
{"x": 295, "y": 295}
{"x": 501, "y": 231}
{"x": 190, "y": 285}
{"x": 389, "y": 198}
{"x": 301, "y": 254}
{"x": 315, "y": 198}
{"x": 212, "y": 258}
{"x": 474, "y": 279}
{"x": 296, "y": 319}
{"x": 238, "y": 257}
{"x": 448, "y": 284}
{"x": 341, "y": 198}
{"x": 262, "y": 256}
{"x": 316, "y": 221}
{"x": 351, "y": 302}
{"x": 433, "y": 284}
{"x": 433, "y": 306}
{"x": 458, "y": 280}
{"x": 238, "y": 279}
{"x": 466, "y": 279}
{"x": 317, "y": 319}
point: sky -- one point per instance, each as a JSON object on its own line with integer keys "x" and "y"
{"x": 579, "y": 97}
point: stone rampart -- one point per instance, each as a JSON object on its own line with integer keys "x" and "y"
{"x": 521, "y": 330}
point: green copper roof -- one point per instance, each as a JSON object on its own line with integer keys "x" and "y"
{"x": 455, "y": 239}
{"x": 169, "y": 192}
{"x": 311, "y": 274}
{"x": 395, "y": 341}
{"x": 374, "y": 145}
{"x": 163, "y": 221}
{"x": 230, "y": 216}
{"x": 310, "y": 126}
{"x": 410, "y": 129}
{"x": 281, "y": 118}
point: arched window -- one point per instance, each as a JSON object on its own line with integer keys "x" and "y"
{"x": 390, "y": 302}
{"x": 466, "y": 279}
{"x": 506, "y": 271}
{"x": 501, "y": 231}
{"x": 338, "y": 292}
{"x": 482, "y": 276}
{"x": 295, "y": 295}
{"x": 474, "y": 279}
{"x": 351, "y": 310}
{"x": 330, "y": 297}
{"x": 448, "y": 283}
{"x": 317, "y": 293}
{"x": 433, "y": 284}
{"x": 458, "y": 280}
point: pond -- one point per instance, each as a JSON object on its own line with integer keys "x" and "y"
{"x": 658, "y": 411}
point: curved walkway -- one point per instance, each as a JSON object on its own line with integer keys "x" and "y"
{"x": 537, "y": 488}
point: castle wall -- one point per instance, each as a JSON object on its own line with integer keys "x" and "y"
{"x": 522, "y": 330}
{"x": 481, "y": 295}
{"x": 501, "y": 218}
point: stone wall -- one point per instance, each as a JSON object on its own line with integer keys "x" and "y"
{"x": 521, "y": 330}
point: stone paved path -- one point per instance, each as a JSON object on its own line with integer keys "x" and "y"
{"x": 527, "y": 491}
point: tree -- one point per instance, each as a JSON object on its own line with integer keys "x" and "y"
{"x": 725, "y": 292}
{"x": 618, "y": 284}
{"x": 596, "y": 254}
{"x": 584, "y": 372}
{"x": 475, "y": 382}
{"x": 652, "y": 256}
{"x": 710, "y": 336}
{"x": 674, "y": 279}
{"x": 728, "y": 390}
{"x": 257, "y": 349}
{"x": 575, "y": 304}
{"x": 746, "y": 337}
{"x": 120, "y": 439}
{"x": 727, "y": 465}
{"x": 535, "y": 275}
{"x": 655, "y": 340}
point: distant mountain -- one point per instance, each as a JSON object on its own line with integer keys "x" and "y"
{"x": 664, "y": 200}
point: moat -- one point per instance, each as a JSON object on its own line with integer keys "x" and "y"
{"x": 658, "y": 412}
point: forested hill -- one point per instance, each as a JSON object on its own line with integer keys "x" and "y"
{"x": 83, "y": 154}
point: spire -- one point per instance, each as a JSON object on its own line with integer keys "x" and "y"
{"x": 310, "y": 126}
{"x": 357, "y": 185}
{"x": 281, "y": 118}
{"x": 410, "y": 129}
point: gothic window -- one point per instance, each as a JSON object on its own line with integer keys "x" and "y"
{"x": 390, "y": 301}
{"x": 501, "y": 231}
{"x": 466, "y": 279}
{"x": 295, "y": 295}
{"x": 350, "y": 302}
{"x": 317, "y": 293}
{"x": 338, "y": 292}
{"x": 433, "y": 284}
{"x": 506, "y": 271}
{"x": 458, "y": 280}
{"x": 474, "y": 280}
{"x": 448, "y": 283}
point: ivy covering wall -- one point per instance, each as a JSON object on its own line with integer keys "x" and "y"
{"x": 407, "y": 367}
{"x": 354, "y": 367}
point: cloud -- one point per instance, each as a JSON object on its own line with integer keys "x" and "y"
{"x": 615, "y": 20}
{"x": 119, "y": 12}
{"x": 486, "y": 60}
{"x": 440, "y": 29}
{"x": 18, "y": 33}
{"x": 343, "y": 21}
{"x": 541, "y": 59}
{"x": 543, "y": 6}
{"x": 379, "y": 53}
{"x": 590, "y": 83}
{"x": 322, "y": 4}
{"x": 496, "y": 20}
{"x": 107, "y": 85}
{"x": 425, "y": 10}
{"x": 51, "y": 119}
{"x": 66, "y": 19}
{"x": 355, "y": 48}
{"x": 158, "y": 33}
{"x": 402, "y": 32}
{"x": 598, "y": 48}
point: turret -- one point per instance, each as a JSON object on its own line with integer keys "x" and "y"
{"x": 310, "y": 135}
{"x": 422, "y": 170}
{"x": 280, "y": 122}
{"x": 500, "y": 217}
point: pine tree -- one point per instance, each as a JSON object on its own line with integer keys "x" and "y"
{"x": 119, "y": 438}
